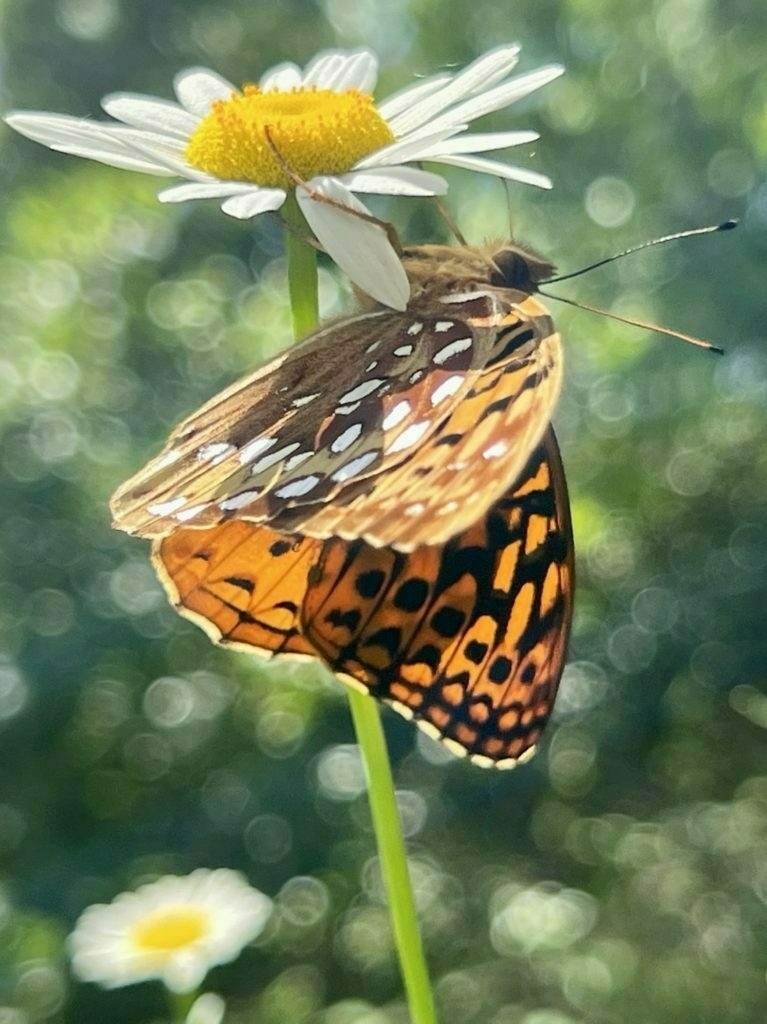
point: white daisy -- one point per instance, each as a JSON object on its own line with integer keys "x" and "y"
{"x": 174, "y": 929}
{"x": 328, "y": 132}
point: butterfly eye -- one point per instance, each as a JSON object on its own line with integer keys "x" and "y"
{"x": 520, "y": 269}
{"x": 513, "y": 270}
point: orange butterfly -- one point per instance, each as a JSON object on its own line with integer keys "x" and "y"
{"x": 388, "y": 496}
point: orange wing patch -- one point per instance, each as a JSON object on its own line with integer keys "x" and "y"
{"x": 243, "y": 584}
{"x": 468, "y": 637}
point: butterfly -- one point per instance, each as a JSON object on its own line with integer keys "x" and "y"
{"x": 388, "y": 496}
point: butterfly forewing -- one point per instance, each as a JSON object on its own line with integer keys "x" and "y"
{"x": 466, "y": 637}
{"x": 335, "y": 436}
{"x": 482, "y": 444}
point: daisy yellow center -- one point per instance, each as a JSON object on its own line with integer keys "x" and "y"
{"x": 170, "y": 929}
{"x": 314, "y": 131}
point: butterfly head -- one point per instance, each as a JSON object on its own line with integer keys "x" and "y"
{"x": 438, "y": 270}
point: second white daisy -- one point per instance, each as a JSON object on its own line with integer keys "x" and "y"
{"x": 174, "y": 929}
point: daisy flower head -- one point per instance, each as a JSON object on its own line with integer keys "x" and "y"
{"x": 315, "y": 132}
{"x": 174, "y": 930}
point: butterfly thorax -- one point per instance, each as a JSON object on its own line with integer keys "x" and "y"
{"x": 436, "y": 271}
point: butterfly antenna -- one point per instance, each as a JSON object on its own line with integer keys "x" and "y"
{"x": 448, "y": 219}
{"x": 646, "y": 324}
{"x": 507, "y": 189}
{"x": 728, "y": 225}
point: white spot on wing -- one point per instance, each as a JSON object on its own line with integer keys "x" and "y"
{"x": 447, "y": 388}
{"x": 254, "y": 448}
{"x": 415, "y": 377}
{"x": 344, "y": 410}
{"x": 443, "y": 325}
{"x": 459, "y": 345}
{"x": 214, "y": 452}
{"x": 189, "y": 513}
{"x": 415, "y": 328}
{"x": 297, "y": 459}
{"x": 404, "y": 350}
{"x": 410, "y": 435}
{"x": 273, "y": 457}
{"x": 367, "y": 387}
{"x": 466, "y": 296}
{"x": 396, "y": 415}
{"x": 167, "y": 460}
{"x": 415, "y": 509}
{"x": 304, "y": 400}
{"x": 371, "y": 366}
{"x": 165, "y": 508}
{"x": 355, "y": 466}
{"x": 401, "y": 709}
{"x": 298, "y": 487}
{"x": 348, "y": 437}
{"x": 239, "y": 500}
{"x": 495, "y": 450}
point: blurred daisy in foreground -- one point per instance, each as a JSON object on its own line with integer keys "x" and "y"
{"x": 319, "y": 126}
{"x": 174, "y": 929}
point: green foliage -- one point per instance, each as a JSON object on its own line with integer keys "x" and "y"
{"x": 620, "y": 876}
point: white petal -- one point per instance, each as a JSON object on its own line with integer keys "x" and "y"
{"x": 488, "y": 69}
{"x": 282, "y": 77}
{"x": 395, "y": 181}
{"x": 410, "y": 148}
{"x": 479, "y": 76}
{"x": 477, "y": 163}
{"x": 166, "y": 144}
{"x": 481, "y": 102}
{"x": 361, "y": 73}
{"x": 208, "y": 1008}
{"x": 108, "y": 144}
{"x": 408, "y": 114}
{"x": 251, "y": 204}
{"x": 197, "y": 88}
{"x": 481, "y": 143}
{"x": 184, "y": 971}
{"x": 502, "y": 96}
{"x": 339, "y": 70}
{"x": 405, "y": 98}
{"x": 360, "y": 248}
{"x": 204, "y": 190}
{"x": 166, "y": 153}
{"x": 148, "y": 112}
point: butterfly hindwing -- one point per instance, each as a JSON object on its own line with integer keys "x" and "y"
{"x": 466, "y": 637}
{"x": 243, "y": 584}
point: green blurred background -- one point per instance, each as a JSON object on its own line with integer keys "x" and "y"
{"x": 621, "y": 876}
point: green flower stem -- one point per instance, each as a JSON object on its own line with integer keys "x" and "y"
{"x": 302, "y": 270}
{"x": 302, "y": 277}
{"x": 180, "y": 1003}
{"x": 391, "y": 852}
